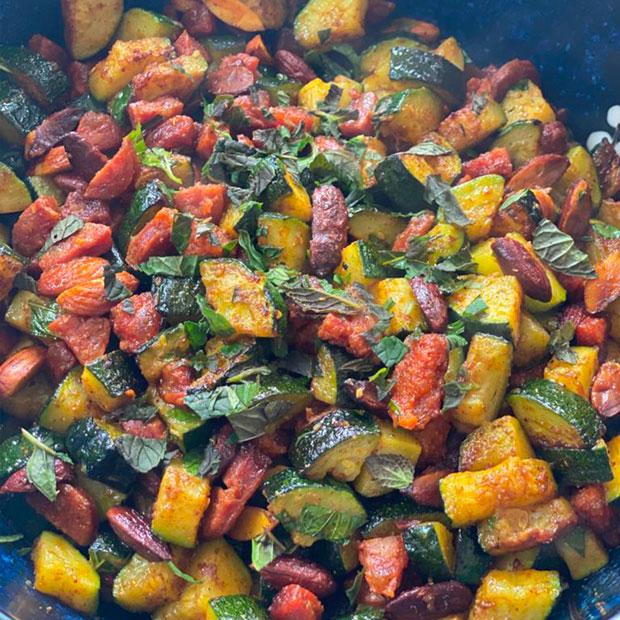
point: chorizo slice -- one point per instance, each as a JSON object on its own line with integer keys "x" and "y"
{"x": 59, "y": 360}
{"x": 384, "y": 561}
{"x": 605, "y": 394}
{"x": 60, "y": 277}
{"x": 576, "y": 210}
{"x": 85, "y": 159}
{"x": 116, "y": 177}
{"x": 134, "y": 530}
{"x": 87, "y": 338}
{"x": 52, "y": 131}
{"x": 177, "y": 133}
{"x": 430, "y": 602}
{"x": 431, "y": 301}
{"x": 135, "y": 321}
{"x": 504, "y": 78}
{"x": 101, "y": 131}
{"x": 286, "y": 570}
{"x": 18, "y": 482}
{"x": 293, "y": 602}
{"x": 88, "y": 210}
{"x": 541, "y": 171}
{"x": 155, "y": 239}
{"x": 203, "y": 201}
{"x": 34, "y": 225}
{"x": 19, "y": 368}
{"x": 145, "y": 111}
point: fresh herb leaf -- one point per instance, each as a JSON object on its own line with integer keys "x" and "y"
{"x": 179, "y": 573}
{"x": 41, "y": 315}
{"x": 41, "y": 472}
{"x": 558, "y": 251}
{"x": 353, "y": 591}
{"x": 454, "y": 392}
{"x": 10, "y": 538}
{"x": 280, "y": 275}
{"x": 559, "y": 342}
{"x": 181, "y": 231}
{"x": 114, "y": 289}
{"x": 390, "y": 350}
{"x": 607, "y": 231}
{"x": 454, "y": 334}
{"x": 197, "y": 333}
{"x": 118, "y": 104}
{"x": 475, "y": 308}
{"x": 430, "y": 149}
{"x": 319, "y": 297}
{"x": 180, "y": 266}
{"x": 390, "y": 105}
{"x": 218, "y": 323}
{"x": 63, "y": 230}
{"x": 265, "y": 549}
{"x": 254, "y": 258}
{"x": 325, "y": 523}
{"x": 134, "y": 411}
{"x": 222, "y": 401}
{"x": 211, "y": 461}
{"x": 153, "y": 157}
{"x": 439, "y": 193}
{"x": 383, "y": 384}
{"x": 393, "y": 471}
{"x": 143, "y": 454}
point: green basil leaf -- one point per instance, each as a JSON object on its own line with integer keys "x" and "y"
{"x": 218, "y": 324}
{"x": 559, "y": 342}
{"x": 265, "y": 549}
{"x": 63, "y": 230}
{"x": 439, "y": 193}
{"x": 454, "y": 335}
{"x": 134, "y": 411}
{"x": 430, "y": 149}
{"x": 391, "y": 470}
{"x": 41, "y": 472}
{"x": 118, "y": 104}
{"x": 114, "y": 289}
{"x": 325, "y": 523}
{"x": 181, "y": 231}
{"x": 41, "y": 315}
{"x": 475, "y": 308}
{"x": 353, "y": 591}
{"x": 153, "y": 157}
{"x": 390, "y": 350}
{"x": 197, "y": 333}
{"x": 607, "y": 231}
{"x": 180, "y": 266}
{"x": 143, "y": 454}
{"x": 179, "y": 573}
{"x": 254, "y": 258}
{"x": 558, "y": 251}
{"x": 10, "y": 538}
{"x": 454, "y": 392}
{"x": 320, "y": 298}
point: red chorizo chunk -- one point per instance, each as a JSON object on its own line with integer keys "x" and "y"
{"x": 95, "y": 211}
{"x": 91, "y": 240}
{"x": 155, "y": 239}
{"x": 418, "y": 392}
{"x": 178, "y": 133}
{"x": 145, "y": 111}
{"x": 54, "y": 161}
{"x": 153, "y": 429}
{"x": 19, "y": 368}
{"x": 176, "y": 377}
{"x": 348, "y": 332}
{"x": 84, "y": 157}
{"x": 207, "y": 137}
{"x": 101, "y": 131}
{"x": 433, "y": 440}
{"x": 135, "y": 321}
{"x": 59, "y": 360}
{"x": 605, "y": 289}
{"x": 59, "y": 278}
{"x": 70, "y": 182}
{"x": 330, "y": 224}
{"x": 418, "y": 225}
{"x": 203, "y": 201}
{"x": 605, "y": 395}
{"x": 186, "y": 45}
{"x": 199, "y": 21}
{"x": 236, "y": 74}
{"x": 78, "y": 75}
{"x": 496, "y": 161}
{"x": 364, "y": 104}
{"x": 384, "y": 561}
{"x": 256, "y": 47}
{"x": 34, "y": 225}
{"x": 87, "y": 338}
{"x": 590, "y": 331}
{"x": 89, "y": 299}
{"x": 295, "y": 603}
{"x": 116, "y": 177}
{"x": 292, "y": 117}
{"x": 590, "y": 504}
{"x": 206, "y": 239}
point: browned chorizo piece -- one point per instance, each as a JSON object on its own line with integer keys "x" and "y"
{"x": 605, "y": 395}
{"x": 235, "y": 75}
{"x": 576, "y": 210}
{"x": 430, "y": 602}
{"x": 285, "y": 570}
{"x": 330, "y": 223}
{"x": 554, "y": 138}
{"x": 607, "y": 163}
{"x": 509, "y": 74}
{"x": 425, "y": 487}
{"x": 100, "y": 130}
{"x": 49, "y": 50}
{"x": 52, "y": 131}
{"x": 590, "y": 504}
{"x": 541, "y": 171}
{"x": 94, "y": 211}
{"x": 84, "y": 157}
{"x": 19, "y": 368}
{"x": 18, "y": 482}
{"x": 134, "y": 530}
{"x": 432, "y": 303}
{"x": 294, "y": 67}
{"x": 515, "y": 260}
{"x": 365, "y": 394}
{"x": 34, "y": 225}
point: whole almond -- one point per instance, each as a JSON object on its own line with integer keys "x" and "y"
{"x": 294, "y": 67}
{"x": 516, "y": 261}
{"x": 430, "y": 602}
{"x": 576, "y": 210}
{"x": 432, "y": 303}
{"x": 286, "y": 570}
{"x": 541, "y": 171}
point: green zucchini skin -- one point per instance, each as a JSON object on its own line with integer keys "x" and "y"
{"x": 16, "y": 450}
{"x": 339, "y": 558}
{"x": 115, "y": 372}
{"x": 108, "y": 554}
{"x": 237, "y": 607}
{"x": 92, "y": 447}
{"x": 425, "y": 553}
{"x": 19, "y": 114}
{"x": 403, "y": 190}
{"x": 41, "y": 79}
{"x": 175, "y": 298}
{"x": 434, "y": 71}
{"x": 223, "y": 45}
{"x": 471, "y": 561}
{"x": 334, "y": 436}
{"x": 277, "y": 85}
{"x": 579, "y": 467}
{"x": 573, "y": 410}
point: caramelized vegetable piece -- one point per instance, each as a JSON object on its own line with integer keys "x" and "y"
{"x": 384, "y": 561}
{"x": 249, "y": 15}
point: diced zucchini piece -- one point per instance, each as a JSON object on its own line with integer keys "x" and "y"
{"x": 325, "y": 384}
{"x": 342, "y": 19}
{"x": 142, "y": 586}
{"x": 554, "y": 417}
{"x": 392, "y": 440}
{"x": 337, "y": 444}
{"x": 287, "y": 234}
{"x": 479, "y": 199}
{"x": 19, "y": 312}
{"x": 43, "y": 80}
{"x": 451, "y": 50}
{"x": 484, "y": 258}
{"x": 582, "y": 551}
{"x": 419, "y": 110}
{"x": 471, "y": 496}
{"x": 400, "y": 184}
{"x": 252, "y": 522}
{"x": 488, "y": 366}
{"x": 45, "y": 186}
{"x": 521, "y": 139}
{"x": 143, "y": 24}
{"x": 445, "y": 240}
{"x": 612, "y": 487}
{"x": 288, "y": 196}
{"x": 360, "y": 265}
{"x": 167, "y": 346}
{"x": 107, "y": 553}
{"x": 518, "y": 560}
{"x": 241, "y": 297}
{"x": 581, "y": 167}
{"x": 69, "y": 403}
{"x": 181, "y": 501}
{"x": 431, "y": 550}
{"x": 533, "y": 341}
{"x": 19, "y": 114}
{"x": 467, "y": 127}
{"x": 104, "y": 496}
{"x": 300, "y": 502}
{"x": 493, "y": 443}
{"x": 109, "y": 381}
{"x": 502, "y": 296}
{"x": 27, "y": 403}
{"x": 14, "y": 195}
{"x": 237, "y": 607}
{"x": 315, "y": 92}
{"x": 186, "y": 428}
{"x": 471, "y": 562}
{"x": 219, "y": 571}
{"x": 518, "y": 595}
{"x": 219, "y": 46}
{"x": 124, "y": 61}
{"x": 11, "y": 264}
{"x": 60, "y": 570}
{"x": 175, "y": 298}
{"x": 579, "y": 467}
{"x": 339, "y": 558}
{"x": 578, "y": 376}
{"x": 405, "y": 310}
{"x": 516, "y": 529}
{"x": 525, "y": 102}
